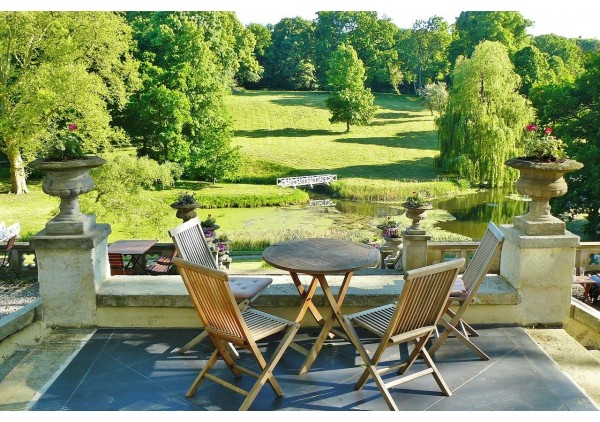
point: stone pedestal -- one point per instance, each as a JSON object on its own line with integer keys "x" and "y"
{"x": 414, "y": 254}
{"x": 70, "y": 269}
{"x": 541, "y": 269}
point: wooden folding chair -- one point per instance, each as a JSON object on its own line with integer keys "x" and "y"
{"x": 412, "y": 318}
{"x": 191, "y": 245}
{"x": 465, "y": 289}
{"x": 225, "y": 323}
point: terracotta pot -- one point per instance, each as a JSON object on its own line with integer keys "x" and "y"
{"x": 541, "y": 182}
{"x": 67, "y": 180}
{"x": 416, "y": 215}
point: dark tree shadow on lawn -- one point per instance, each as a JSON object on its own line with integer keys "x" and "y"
{"x": 283, "y": 133}
{"x": 409, "y": 140}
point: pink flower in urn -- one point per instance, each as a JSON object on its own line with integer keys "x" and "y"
{"x": 208, "y": 234}
{"x": 72, "y": 126}
{"x": 548, "y": 131}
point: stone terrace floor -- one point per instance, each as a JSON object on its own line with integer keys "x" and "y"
{"x": 140, "y": 369}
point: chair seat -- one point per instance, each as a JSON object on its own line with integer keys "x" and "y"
{"x": 247, "y": 287}
{"x": 261, "y": 324}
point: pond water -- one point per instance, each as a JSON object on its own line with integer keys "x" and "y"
{"x": 471, "y": 212}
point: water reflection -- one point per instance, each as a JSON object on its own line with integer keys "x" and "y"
{"x": 471, "y": 212}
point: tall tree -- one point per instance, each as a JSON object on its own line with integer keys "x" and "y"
{"x": 372, "y": 38}
{"x": 470, "y": 28}
{"x": 576, "y": 118}
{"x": 189, "y": 60}
{"x": 424, "y": 50}
{"x": 262, "y": 35}
{"x": 349, "y": 100}
{"x": 291, "y": 54}
{"x": 484, "y": 118}
{"x": 58, "y": 68}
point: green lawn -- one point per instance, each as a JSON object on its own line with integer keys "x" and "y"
{"x": 289, "y": 133}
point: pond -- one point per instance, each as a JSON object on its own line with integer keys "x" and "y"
{"x": 471, "y": 212}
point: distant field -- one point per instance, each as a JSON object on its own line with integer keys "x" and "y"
{"x": 289, "y": 133}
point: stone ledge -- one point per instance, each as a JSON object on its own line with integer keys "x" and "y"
{"x": 367, "y": 289}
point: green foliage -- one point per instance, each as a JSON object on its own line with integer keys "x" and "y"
{"x": 349, "y": 101}
{"x": 471, "y": 28}
{"x": 424, "y": 50}
{"x": 185, "y": 198}
{"x": 391, "y": 190}
{"x": 66, "y": 145}
{"x": 189, "y": 59}
{"x": 373, "y": 39}
{"x": 418, "y": 199}
{"x": 434, "y": 96}
{"x": 289, "y": 59}
{"x": 578, "y": 126}
{"x": 483, "y": 123}
{"x": 66, "y": 67}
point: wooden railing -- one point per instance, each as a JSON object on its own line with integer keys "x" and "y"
{"x": 587, "y": 255}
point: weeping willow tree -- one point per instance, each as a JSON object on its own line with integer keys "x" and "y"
{"x": 484, "y": 119}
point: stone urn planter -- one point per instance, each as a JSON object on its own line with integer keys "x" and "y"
{"x": 541, "y": 181}
{"x": 416, "y": 214}
{"x": 185, "y": 211}
{"x": 68, "y": 179}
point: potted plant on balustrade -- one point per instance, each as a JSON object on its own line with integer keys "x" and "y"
{"x": 185, "y": 205}
{"x": 416, "y": 206}
{"x": 209, "y": 227}
{"x": 541, "y": 168}
{"x": 67, "y": 175}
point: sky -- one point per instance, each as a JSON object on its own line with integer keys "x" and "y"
{"x": 569, "y": 18}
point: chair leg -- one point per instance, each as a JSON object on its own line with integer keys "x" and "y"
{"x": 267, "y": 369}
{"x": 192, "y": 342}
{"x": 465, "y": 340}
{"x": 211, "y": 361}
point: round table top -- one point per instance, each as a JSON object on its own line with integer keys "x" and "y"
{"x": 321, "y": 256}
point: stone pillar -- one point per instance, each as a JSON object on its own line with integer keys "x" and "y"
{"x": 414, "y": 253}
{"x": 70, "y": 269}
{"x": 540, "y": 268}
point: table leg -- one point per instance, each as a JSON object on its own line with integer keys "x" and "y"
{"x": 336, "y": 305}
{"x": 307, "y": 295}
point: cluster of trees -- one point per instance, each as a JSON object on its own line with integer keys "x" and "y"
{"x": 157, "y": 81}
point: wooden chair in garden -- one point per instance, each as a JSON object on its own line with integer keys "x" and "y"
{"x": 224, "y": 323}
{"x": 465, "y": 289}
{"x": 191, "y": 245}
{"x": 413, "y": 318}
{"x": 118, "y": 265}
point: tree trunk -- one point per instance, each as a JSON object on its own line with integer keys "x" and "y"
{"x": 347, "y": 126}
{"x": 18, "y": 183}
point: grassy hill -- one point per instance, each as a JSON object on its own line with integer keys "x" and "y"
{"x": 289, "y": 134}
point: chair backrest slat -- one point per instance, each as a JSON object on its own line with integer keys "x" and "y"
{"x": 191, "y": 245}
{"x": 211, "y": 294}
{"x": 482, "y": 259}
{"x": 423, "y": 296}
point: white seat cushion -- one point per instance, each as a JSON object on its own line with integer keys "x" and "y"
{"x": 248, "y": 287}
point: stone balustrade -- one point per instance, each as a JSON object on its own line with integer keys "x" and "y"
{"x": 587, "y": 255}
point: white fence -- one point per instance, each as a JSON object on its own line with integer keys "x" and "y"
{"x": 321, "y": 203}
{"x": 318, "y": 179}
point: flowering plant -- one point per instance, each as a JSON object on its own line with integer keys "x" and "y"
{"x": 387, "y": 223}
{"x": 185, "y": 199}
{"x": 393, "y": 232}
{"x": 209, "y": 222}
{"x": 66, "y": 145}
{"x": 541, "y": 145}
{"x": 417, "y": 200}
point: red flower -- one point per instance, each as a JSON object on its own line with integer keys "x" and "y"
{"x": 72, "y": 126}
{"x": 531, "y": 128}
{"x": 548, "y": 131}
